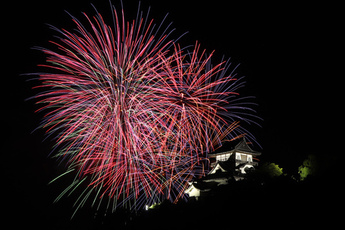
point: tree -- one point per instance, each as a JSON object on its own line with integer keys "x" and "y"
{"x": 308, "y": 167}
{"x": 271, "y": 170}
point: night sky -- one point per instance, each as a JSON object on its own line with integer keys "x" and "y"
{"x": 287, "y": 52}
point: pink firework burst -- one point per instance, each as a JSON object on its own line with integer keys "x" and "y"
{"x": 133, "y": 119}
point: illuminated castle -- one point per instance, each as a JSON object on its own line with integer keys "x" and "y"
{"x": 225, "y": 166}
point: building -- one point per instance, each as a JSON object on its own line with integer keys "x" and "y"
{"x": 225, "y": 166}
{"x": 242, "y": 153}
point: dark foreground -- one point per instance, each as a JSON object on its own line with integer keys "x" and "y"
{"x": 256, "y": 202}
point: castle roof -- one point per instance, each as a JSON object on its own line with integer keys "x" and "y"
{"x": 242, "y": 146}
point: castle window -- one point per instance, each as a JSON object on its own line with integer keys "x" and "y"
{"x": 223, "y": 157}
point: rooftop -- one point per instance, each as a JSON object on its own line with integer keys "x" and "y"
{"x": 242, "y": 146}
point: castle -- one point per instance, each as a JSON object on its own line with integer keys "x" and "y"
{"x": 225, "y": 166}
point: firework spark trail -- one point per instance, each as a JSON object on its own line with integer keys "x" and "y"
{"x": 133, "y": 119}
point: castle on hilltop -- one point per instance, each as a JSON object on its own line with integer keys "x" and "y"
{"x": 225, "y": 166}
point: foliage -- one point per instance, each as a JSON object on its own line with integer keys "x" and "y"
{"x": 270, "y": 170}
{"x": 308, "y": 167}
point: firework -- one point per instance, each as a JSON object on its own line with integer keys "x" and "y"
{"x": 134, "y": 114}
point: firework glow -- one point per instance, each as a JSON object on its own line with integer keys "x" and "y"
{"x": 133, "y": 113}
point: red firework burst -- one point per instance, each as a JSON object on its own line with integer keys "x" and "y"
{"x": 133, "y": 119}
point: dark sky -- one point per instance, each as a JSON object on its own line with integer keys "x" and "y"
{"x": 287, "y": 53}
